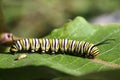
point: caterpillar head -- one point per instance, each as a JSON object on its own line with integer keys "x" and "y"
{"x": 13, "y": 48}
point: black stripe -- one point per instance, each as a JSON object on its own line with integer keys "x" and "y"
{"x": 91, "y": 49}
{"x": 76, "y": 49}
{"x": 84, "y": 46}
{"x": 54, "y": 45}
{"x": 29, "y": 44}
{"x": 35, "y": 44}
{"x": 18, "y": 44}
{"x": 45, "y": 44}
{"x": 71, "y": 44}
{"x": 64, "y": 45}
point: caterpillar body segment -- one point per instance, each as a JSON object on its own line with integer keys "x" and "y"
{"x": 66, "y": 46}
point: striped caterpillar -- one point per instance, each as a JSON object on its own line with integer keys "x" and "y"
{"x": 65, "y": 46}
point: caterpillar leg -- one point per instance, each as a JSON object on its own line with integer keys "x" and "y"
{"x": 43, "y": 52}
{"x": 53, "y": 52}
{"x": 32, "y": 50}
{"x": 13, "y": 52}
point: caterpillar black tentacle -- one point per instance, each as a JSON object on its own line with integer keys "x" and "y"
{"x": 104, "y": 42}
{"x": 66, "y": 46}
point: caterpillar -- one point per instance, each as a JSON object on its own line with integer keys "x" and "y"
{"x": 64, "y": 46}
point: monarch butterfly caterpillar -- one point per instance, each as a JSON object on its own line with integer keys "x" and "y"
{"x": 67, "y": 46}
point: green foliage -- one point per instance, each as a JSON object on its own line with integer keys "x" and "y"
{"x": 41, "y": 16}
{"x": 65, "y": 67}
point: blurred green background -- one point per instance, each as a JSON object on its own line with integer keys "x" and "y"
{"x": 37, "y": 18}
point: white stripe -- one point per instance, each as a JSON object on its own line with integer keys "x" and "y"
{"x": 43, "y": 46}
{"x": 65, "y": 47}
{"x": 90, "y": 48}
{"x": 24, "y": 44}
{"x": 27, "y": 43}
{"x": 19, "y": 45}
{"x": 44, "y": 43}
{"x": 47, "y": 43}
{"x": 70, "y": 46}
{"x": 53, "y": 46}
{"x": 82, "y": 49}
{"x": 95, "y": 51}
{"x": 73, "y": 45}
{"x": 57, "y": 43}
{"x": 37, "y": 42}
{"x": 77, "y": 47}
{"x": 85, "y": 46}
{"x": 34, "y": 43}
{"x": 80, "y": 45}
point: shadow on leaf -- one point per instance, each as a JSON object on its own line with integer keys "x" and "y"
{"x": 30, "y": 73}
{"x": 103, "y": 75}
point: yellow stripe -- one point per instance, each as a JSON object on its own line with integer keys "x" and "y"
{"x": 94, "y": 49}
{"x": 68, "y": 45}
{"x": 48, "y": 47}
{"x": 40, "y": 40}
{"x": 60, "y": 40}
{"x": 28, "y": 45}
{"x": 51, "y": 44}
{"x": 21, "y": 43}
{"x": 87, "y": 47}
{"x": 57, "y": 45}
{"x": 75, "y": 47}
{"x": 31, "y": 44}
{"x": 14, "y": 48}
{"x": 42, "y": 45}
{"x": 80, "y": 48}
{"x": 38, "y": 45}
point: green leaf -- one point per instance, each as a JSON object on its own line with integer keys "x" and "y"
{"x": 45, "y": 66}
